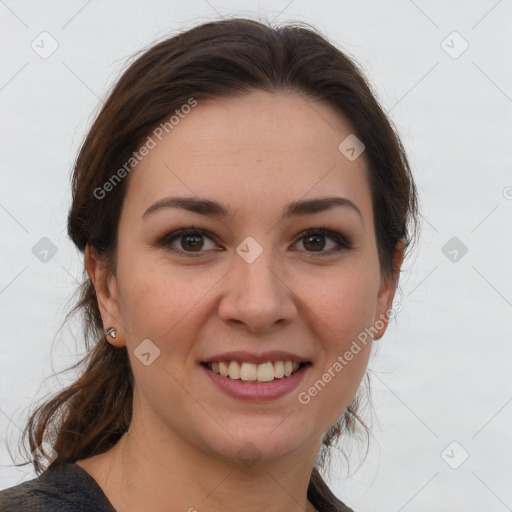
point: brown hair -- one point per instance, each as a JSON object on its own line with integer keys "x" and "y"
{"x": 216, "y": 59}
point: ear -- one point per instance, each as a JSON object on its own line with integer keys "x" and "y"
{"x": 107, "y": 294}
{"x": 387, "y": 292}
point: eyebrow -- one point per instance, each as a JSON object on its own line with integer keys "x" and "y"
{"x": 214, "y": 209}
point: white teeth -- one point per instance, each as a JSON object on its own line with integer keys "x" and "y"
{"x": 265, "y": 372}
{"x": 223, "y": 368}
{"x": 279, "y": 369}
{"x": 248, "y": 371}
{"x": 251, "y": 372}
{"x": 234, "y": 370}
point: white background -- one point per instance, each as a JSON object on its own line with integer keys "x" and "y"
{"x": 442, "y": 372}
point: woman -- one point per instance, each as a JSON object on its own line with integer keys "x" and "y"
{"x": 244, "y": 207}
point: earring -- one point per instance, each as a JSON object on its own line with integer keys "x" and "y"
{"x": 111, "y": 331}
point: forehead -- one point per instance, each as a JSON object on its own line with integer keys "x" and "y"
{"x": 258, "y": 150}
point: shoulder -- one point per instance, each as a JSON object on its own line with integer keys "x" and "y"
{"x": 66, "y": 487}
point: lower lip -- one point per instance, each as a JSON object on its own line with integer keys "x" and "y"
{"x": 257, "y": 391}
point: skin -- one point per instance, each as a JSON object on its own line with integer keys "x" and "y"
{"x": 254, "y": 154}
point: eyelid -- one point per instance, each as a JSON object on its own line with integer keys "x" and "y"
{"x": 172, "y": 236}
{"x": 342, "y": 243}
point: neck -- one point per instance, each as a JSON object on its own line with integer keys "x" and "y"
{"x": 156, "y": 471}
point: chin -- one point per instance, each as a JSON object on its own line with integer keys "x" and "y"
{"x": 258, "y": 443}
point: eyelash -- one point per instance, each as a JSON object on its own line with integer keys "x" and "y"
{"x": 342, "y": 243}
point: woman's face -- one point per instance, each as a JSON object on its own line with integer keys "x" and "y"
{"x": 252, "y": 282}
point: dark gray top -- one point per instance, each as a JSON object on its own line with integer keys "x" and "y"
{"x": 69, "y": 488}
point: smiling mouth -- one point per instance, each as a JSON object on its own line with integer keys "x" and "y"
{"x": 251, "y": 372}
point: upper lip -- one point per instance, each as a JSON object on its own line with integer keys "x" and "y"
{"x": 252, "y": 357}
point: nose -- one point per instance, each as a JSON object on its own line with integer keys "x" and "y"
{"x": 257, "y": 295}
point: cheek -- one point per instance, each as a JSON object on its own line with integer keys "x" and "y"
{"x": 344, "y": 302}
{"x": 158, "y": 303}
{"x": 342, "y": 318}
{"x": 342, "y": 311}
{"x": 158, "y": 298}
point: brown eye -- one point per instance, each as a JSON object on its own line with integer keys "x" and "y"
{"x": 314, "y": 241}
{"x": 192, "y": 241}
